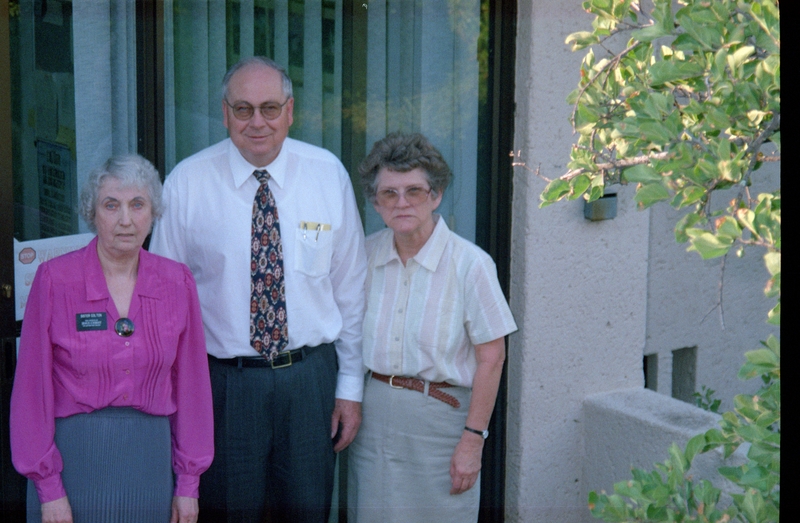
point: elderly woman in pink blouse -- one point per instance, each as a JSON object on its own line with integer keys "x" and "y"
{"x": 111, "y": 416}
{"x": 433, "y": 345}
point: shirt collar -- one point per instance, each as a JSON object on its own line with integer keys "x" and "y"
{"x": 148, "y": 282}
{"x": 432, "y": 251}
{"x": 428, "y": 256}
{"x": 242, "y": 170}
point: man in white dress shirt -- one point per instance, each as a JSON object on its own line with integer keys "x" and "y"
{"x": 280, "y": 416}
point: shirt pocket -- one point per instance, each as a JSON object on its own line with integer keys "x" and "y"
{"x": 313, "y": 249}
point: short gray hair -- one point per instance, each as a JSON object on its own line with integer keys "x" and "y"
{"x": 131, "y": 171}
{"x": 403, "y": 152}
{"x": 260, "y": 60}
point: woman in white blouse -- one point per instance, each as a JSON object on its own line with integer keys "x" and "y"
{"x": 433, "y": 347}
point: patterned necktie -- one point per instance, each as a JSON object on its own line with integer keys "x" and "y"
{"x": 268, "y": 331}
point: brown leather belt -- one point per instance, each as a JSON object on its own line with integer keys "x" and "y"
{"x": 402, "y": 382}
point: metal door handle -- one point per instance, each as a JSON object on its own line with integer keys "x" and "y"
{"x": 7, "y": 288}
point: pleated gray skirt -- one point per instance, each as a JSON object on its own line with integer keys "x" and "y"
{"x": 117, "y": 467}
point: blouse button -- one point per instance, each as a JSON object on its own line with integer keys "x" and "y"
{"x": 127, "y": 344}
{"x": 127, "y": 371}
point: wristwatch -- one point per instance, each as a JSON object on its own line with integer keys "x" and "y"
{"x": 483, "y": 433}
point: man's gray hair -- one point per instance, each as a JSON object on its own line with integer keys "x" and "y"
{"x": 260, "y": 60}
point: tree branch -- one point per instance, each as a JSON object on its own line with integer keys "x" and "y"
{"x": 720, "y": 288}
{"x": 591, "y": 80}
{"x": 616, "y": 164}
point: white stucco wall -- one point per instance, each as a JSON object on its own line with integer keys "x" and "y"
{"x": 579, "y": 288}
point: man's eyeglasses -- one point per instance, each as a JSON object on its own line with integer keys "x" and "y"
{"x": 244, "y": 111}
{"x": 414, "y": 196}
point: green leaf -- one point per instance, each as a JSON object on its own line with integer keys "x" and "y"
{"x": 737, "y": 58}
{"x": 772, "y": 344}
{"x": 729, "y": 228}
{"x": 707, "y": 244}
{"x": 673, "y": 71}
{"x": 655, "y": 131}
{"x": 581, "y": 39}
{"x": 687, "y": 196}
{"x": 773, "y": 262}
{"x": 717, "y": 118}
{"x": 554, "y": 191}
{"x": 746, "y": 218}
{"x": 650, "y": 33}
{"x": 641, "y": 173}
{"x": 695, "y": 446}
{"x": 763, "y": 357}
{"x": 732, "y": 473}
{"x": 649, "y": 194}
{"x": 578, "y": 186}
{"x": 678, "y": 459}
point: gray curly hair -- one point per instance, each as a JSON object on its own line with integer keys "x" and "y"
{"x": 131, "y": 171}
{"x": 402, "y": 152}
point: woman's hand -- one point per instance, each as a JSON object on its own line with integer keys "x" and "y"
{"x": 184, "y": 510}
{"x": 466, "y": 462}
{"x": 57, "y": 511}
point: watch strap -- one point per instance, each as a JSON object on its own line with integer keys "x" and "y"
{"x": 482, "y": 433}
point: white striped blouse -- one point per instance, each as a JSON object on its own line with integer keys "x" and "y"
{"x": 424, "y": 319}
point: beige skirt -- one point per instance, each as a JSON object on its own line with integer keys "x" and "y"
{"x": 399, "y": 463}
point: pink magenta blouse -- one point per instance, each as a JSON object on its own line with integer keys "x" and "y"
{"x": 71, "y": 360}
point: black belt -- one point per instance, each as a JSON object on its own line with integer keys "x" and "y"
{"x": 282, "y": 359}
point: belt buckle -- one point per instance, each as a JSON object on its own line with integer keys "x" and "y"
{"x": 391, "y": 382}
{"x": 272, "y": 362}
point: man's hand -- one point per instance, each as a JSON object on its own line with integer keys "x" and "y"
{"x": 466, "y": 462}
{"x": 348, "y": 415}
{"x": 57, "y": 511}
{"x": 184, "y": 510}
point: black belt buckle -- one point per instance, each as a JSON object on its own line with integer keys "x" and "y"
{"x": 281, "y": 360}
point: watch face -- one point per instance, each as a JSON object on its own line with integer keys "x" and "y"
{"x": 483, "y": 433}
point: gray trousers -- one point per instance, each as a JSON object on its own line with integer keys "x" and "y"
{"x": 273, "y": 453}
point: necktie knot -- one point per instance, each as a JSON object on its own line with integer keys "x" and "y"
{"x": 261, "y": 175}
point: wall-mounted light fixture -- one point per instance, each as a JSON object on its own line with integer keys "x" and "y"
{"x": 604, "y": 208}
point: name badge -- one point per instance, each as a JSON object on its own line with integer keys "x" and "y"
{"x": 91, "y": 321}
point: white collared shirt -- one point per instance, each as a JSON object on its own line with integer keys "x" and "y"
{"x": 425, "y": 318}
{"x": 207, "y": 223}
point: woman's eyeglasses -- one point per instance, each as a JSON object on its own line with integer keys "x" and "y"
{"x": 413, "y": 195}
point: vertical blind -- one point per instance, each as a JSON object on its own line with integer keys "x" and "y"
{"x": 422, "y": 76}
